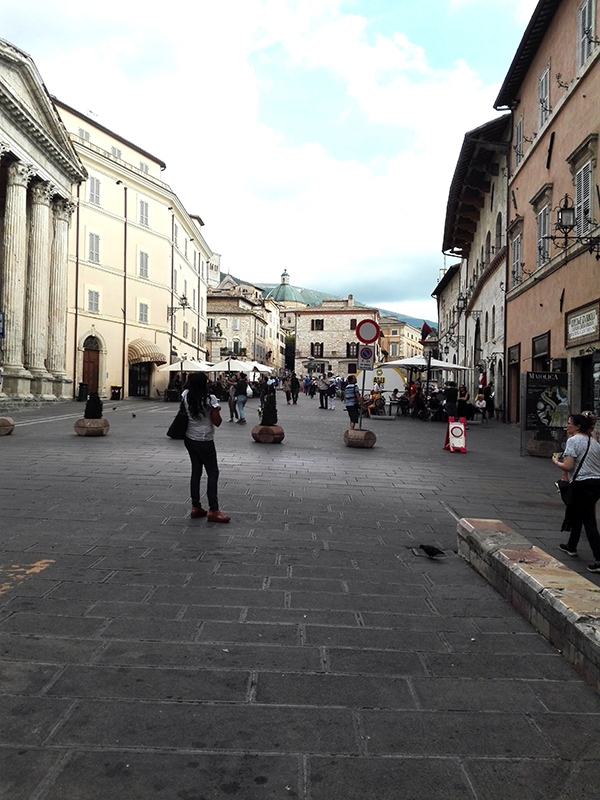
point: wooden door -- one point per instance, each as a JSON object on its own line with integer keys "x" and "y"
{"x": 91, "y": 369}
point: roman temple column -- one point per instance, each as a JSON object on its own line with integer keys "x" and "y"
{"x": 12, "y": 294}
{"x": 57, "y": 318}
{"x": 36, "y": 304}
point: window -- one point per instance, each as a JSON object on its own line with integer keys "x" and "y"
{"x": 544, "y": 95}
{"x": 210, "y": 322}
{"x": 493, "y": 322}
{"x": 585, "y": 32}
{"x": 316, "y": 325}
{"x": 394, "y": 332}
{"x": 185, "y": 247}
{"x": 193, "y": 298}
{"x": 488, "y": 249}
{"x": 94, "y": 196}
{"x": 143, "y": 212}
{"x": 351, "y": 349}
{"x": 175, "y": 281}
{"x": 518, "y": 145}
{"x": 114, "y": 151}
{"x": 394, "y": 349}
{"x": 93, "y": 304}
{"x": 144, "y": 167}
{"x": 351, "y": 369}
{"x": 186, "y": 329}
{"x": 540, "y": 352}
{"x": 94, "y": 248}
{"x": 236, "y": 324}
{"x": 543, "y": 231}
{"x": 583, "y": 199}
{"x": 517, "y": 266}
{"x": 175, "y": 232}
{"x": 83, "y": 134}
{"x": 316, "y": 349}
{"x": 486, "y": 327}
{"x": 143, "y": 313}
{"x": 194, "y": 335}
{"x": 143, "y": 266}
{"x": 352, "y": 324}
{"x": 498, "y": 237}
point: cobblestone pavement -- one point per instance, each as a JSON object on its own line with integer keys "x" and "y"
{"x": 306, "y": 650}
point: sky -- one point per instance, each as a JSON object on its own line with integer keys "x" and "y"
{"x": 319, "y": 136}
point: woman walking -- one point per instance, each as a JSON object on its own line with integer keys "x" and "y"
{"x": 581, "y": 460}
{"x": 203, "y": 412}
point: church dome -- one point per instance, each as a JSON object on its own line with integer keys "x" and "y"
{"x": 285, "y": 293}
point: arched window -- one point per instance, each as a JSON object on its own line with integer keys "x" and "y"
{"x": 498, "y": 242}
{"x": 493, "y": 322}
{"x": 486, "y": 329}
{"x": 488, "y": 248}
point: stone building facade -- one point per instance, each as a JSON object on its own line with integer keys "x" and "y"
{"x": 326, "y": 339}
{"x": 244, "y": 323}
{"x": 38, "y": 169}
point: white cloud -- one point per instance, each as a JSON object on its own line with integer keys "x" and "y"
{"x": 181, "y": 85}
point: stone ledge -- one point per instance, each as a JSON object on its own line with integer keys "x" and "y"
{"x": 562, "y": 605}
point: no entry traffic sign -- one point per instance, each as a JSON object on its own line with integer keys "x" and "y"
{"x": 367, "y": 331}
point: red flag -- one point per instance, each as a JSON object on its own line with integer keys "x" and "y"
{"x": 425, "y": 331}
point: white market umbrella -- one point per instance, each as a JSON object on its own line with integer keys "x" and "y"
{"x": 231, "y": 365}
{"x": 254, "y": 366}
{"x": 420, "y": 362}
{"x": 187, "y": 365}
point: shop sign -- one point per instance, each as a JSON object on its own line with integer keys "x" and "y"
{"x": 583, "y": 325}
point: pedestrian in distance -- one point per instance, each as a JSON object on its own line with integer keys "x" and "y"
{"x": 352, "y": 400}
{"x": 331, "y": 391}
{"x": 581, "y": 460}
{"x": 322, "y": 385}
{"x": 232, "y": 402}
{"x": 295, "y": 388}
{"x": 241, "y": 396}
{"x": 204, "y": 414}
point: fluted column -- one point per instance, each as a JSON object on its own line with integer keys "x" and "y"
{"x": 57, "y": 318}
{"x": 12, "y": 294}
{"x": 36, "y": 304}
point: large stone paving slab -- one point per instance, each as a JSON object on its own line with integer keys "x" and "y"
{"x": 308, "y": 649}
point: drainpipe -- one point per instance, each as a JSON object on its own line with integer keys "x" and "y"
{"x": 124, "y": 353}
{"x": 76, "y": 320}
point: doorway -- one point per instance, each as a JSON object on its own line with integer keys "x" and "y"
{"x": 139, "y": 379}
{"x": 91, "y": 363}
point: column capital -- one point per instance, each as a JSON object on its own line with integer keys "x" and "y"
{"x": 19, "y": 173}
{"x": 63, "y": 209}
{"x": 41, "y": 192}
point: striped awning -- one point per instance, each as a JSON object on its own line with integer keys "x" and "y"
{"x": 141, "y": 350}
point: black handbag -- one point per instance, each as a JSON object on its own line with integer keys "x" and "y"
{"x": 178, "y": 428}
{"x": 566, "y": 487}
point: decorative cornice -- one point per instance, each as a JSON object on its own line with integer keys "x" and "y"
{"x": 25, "y": 121}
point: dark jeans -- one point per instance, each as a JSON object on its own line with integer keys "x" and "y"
{"x": 582, "y": 513}
{"x": 203, "y": 454}
{"x": 323, "y": 398}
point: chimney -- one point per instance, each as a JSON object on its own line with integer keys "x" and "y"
{"x": 350, "y": 299}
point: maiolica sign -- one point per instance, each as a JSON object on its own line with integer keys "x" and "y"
{"x": 582, "y": 325}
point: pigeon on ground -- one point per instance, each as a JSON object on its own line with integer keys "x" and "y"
{"x": 133, "y": 415}
{"x": 431, "y": 551}
{"x": 115, "y": 408}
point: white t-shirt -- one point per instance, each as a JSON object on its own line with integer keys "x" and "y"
{"x": 202, "y": 429}
{"x": 576, "y": 446}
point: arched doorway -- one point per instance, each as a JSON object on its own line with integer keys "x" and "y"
{"x": 91, "y": 363}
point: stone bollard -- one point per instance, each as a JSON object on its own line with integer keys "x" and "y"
{"x": 356, "y": 438}
{"x": 7, "y": 425}
{"x": 91, "y": 427}
{"x": 268, "y": 434}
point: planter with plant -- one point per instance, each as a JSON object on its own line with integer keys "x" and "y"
{"x": 92, "y": 423}
{"x": 269, "y": 432}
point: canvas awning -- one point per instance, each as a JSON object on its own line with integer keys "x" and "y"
{"x": 141, "y": 350}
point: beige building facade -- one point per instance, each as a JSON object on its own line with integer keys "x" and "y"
{"x": 399, "y": 339}
{"x": 138, "y": 268}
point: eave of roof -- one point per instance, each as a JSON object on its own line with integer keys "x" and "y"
{"x": 480, "y": 149}
{"x": 532, "y": 38}
{"x": 449, "y": 274}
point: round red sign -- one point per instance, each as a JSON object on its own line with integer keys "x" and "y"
{"x": 367, "y": 331}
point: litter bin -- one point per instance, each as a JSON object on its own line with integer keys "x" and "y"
{"x": 115, "y": 392}
{"x": 83, "y": 392}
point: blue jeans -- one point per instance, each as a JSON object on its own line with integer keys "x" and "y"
{"x": 241, "y": 402}
{"x": 203, "y": 454}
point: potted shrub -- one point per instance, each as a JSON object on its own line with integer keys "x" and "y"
{"x": 92, "y": 423}
{"x": 269, "y": 432}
